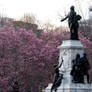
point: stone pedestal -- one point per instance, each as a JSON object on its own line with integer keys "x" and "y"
{"x": 68, "y": 50}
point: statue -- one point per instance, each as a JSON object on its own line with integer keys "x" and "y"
{"x": 77, "y": 72}
{"x": 85, "y": 66}
{"x": 73, "y": 23}
{"x": 57, "y": 77}
{"x": 80, "y": 69}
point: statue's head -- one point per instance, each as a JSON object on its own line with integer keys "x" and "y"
{"x": 72, "y": 7}
{"x": 78, "y": 56}
{"x": 84, "y": 54}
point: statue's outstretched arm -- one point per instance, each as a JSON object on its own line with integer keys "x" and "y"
{"x": 64, "y": 18}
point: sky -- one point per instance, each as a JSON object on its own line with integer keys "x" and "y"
{"x": 45, "y": 10}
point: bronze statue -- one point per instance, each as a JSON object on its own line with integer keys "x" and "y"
{"x": 77, "y": 72}
{"x": 57, "y": 77}
{"x": 73, "y": 24}
{"x": 85, "y": 66}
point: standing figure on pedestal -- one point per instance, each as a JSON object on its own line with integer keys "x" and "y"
{"x": 85, "y": 66}
{"x": 77, "y": 72}
{"x": 57, "y": 77}
{"x": 73, "y": 23}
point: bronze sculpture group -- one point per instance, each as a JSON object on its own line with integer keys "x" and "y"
{"x": 80, "y": 67}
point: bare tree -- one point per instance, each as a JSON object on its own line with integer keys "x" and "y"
{"x": 29, "y": 18}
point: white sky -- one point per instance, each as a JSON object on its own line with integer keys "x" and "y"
{"x": 44, "y": 10}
